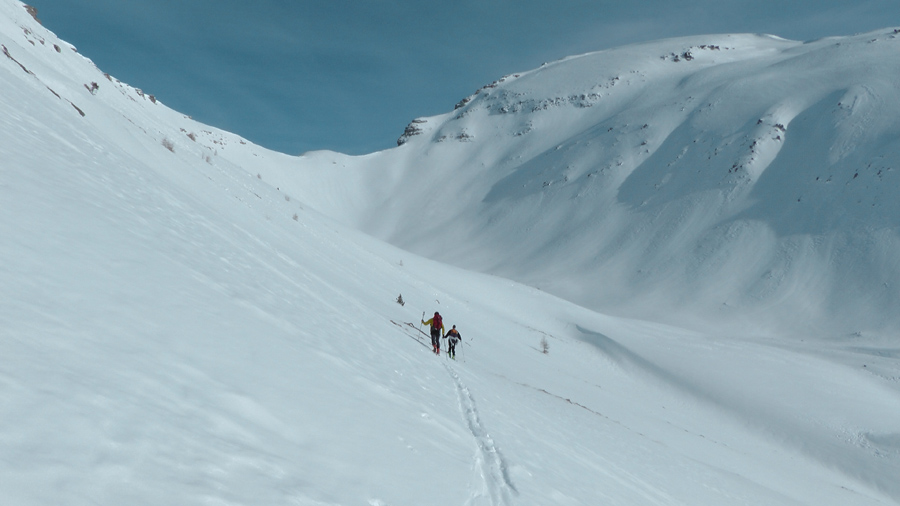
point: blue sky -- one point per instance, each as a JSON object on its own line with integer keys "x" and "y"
{"x": 299, "y": 75}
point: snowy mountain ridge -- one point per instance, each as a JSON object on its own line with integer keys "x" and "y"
{"x": 692, "y": 176}
{"x": 179, "y": 325}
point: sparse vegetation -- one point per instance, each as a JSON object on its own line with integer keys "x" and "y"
{"x": 33, "y": 11}
{"x": 6, "y": 52}
{"x": 168, "y": 144}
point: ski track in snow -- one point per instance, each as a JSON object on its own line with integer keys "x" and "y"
{"x": 498, "y": 487}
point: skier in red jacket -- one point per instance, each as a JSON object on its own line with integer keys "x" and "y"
{"x": 437, "y": 331}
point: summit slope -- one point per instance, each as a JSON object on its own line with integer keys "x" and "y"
{"x": 723, "y": 179}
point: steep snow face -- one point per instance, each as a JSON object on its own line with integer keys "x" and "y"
{"x": 718, "y": 177}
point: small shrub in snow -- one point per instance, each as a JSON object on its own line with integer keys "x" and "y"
{"x": 168, "y": 144}
{"x": 545, "y": 346}
{"x": 400, "y": 300}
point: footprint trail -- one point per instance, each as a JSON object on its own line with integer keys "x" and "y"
{"x": 498, "y": 488}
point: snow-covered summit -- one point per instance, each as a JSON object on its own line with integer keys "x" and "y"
{"x": 722, "y": 177}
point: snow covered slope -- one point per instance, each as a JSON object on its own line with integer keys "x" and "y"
{"x": 718, "y": 179}
{"x": 178, "y": 327}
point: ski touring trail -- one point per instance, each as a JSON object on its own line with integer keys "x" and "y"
{"x": 497, "y": 489}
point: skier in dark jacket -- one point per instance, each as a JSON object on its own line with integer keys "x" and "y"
{"x": 452, "y": 338}
{"x": 437, "y": 331}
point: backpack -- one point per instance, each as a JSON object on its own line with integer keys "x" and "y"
{"x": 437, "y": 322}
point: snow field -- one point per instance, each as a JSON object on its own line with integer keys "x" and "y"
{"x": 183, "y": 326}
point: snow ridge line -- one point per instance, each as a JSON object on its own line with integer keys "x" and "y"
{"x": 494, "y": 470}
